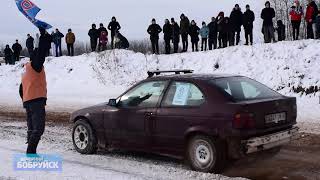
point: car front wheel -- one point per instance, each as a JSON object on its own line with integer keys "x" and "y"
{"x": 206, "y": 154}
{"x": 83, "y": 137}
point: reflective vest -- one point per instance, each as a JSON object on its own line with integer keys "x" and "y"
{"x": 34, "y": 84}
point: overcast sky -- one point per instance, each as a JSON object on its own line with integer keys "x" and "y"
{"x": 133, "y": 15}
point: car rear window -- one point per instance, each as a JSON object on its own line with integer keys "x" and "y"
{"x": 243, "y": 89}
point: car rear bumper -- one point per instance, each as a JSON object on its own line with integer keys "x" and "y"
{"x": 270, "y": 141}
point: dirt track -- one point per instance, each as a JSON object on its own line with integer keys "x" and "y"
{"x": 299, "y": 160}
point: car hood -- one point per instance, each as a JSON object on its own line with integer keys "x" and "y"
{"x": 90, "y": 109}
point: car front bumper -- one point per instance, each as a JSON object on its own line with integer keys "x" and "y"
{"x": 270, "y": 141}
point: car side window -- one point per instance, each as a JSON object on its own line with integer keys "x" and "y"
{"x": 144, "y": 95}
{"x": 183, "y": 94}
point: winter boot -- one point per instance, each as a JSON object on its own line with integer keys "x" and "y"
{"x": 32, "y": 147}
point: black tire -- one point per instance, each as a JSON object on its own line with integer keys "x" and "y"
{"x": 199, "y": 158}
{"x": 88, "y": 139}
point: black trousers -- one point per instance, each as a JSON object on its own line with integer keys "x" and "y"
{"x": 248, "y": 36}
{"x": 184, "y": 37}
{"x": 295, "y": 29}
{"x": 8, "y": 59}
{"x": 175, "y": 46}
{"x": 70, "y": 49}
{"x": 93, "y": 43}
{"x": 204, "y": 42}
{"x": 221, "y": 40}
{"x": 167, "y": 45}
{"x": 237, "y": 34}
{"x": 36, "y": 114}
{"x": 155, "y": 45}
{"x": 212, "y": 43}
{"x": 195, "y": 46}
{"x": 30, "y": 51}
{"x": 16, "y": 57}
{"x": 310, "y": 34}
{"x": 231, "y": 38}
{"x": 112, "y": 40}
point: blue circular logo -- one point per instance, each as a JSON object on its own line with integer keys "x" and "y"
{"x": 26, "y": 5}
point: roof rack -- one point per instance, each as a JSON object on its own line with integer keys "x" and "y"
{"x": 158, "y": 72}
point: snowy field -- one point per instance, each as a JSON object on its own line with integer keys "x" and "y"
{"x": 76, "y": 82}
{"x": 115, "y": 166}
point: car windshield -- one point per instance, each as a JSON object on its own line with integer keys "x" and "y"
{"x": 243, "y": 89}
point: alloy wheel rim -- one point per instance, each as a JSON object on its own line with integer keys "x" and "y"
{"x": 81, "y": 137}
{"x": 204, "y": 154}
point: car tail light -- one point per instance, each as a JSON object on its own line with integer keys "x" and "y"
{"x": 244, "y": 121}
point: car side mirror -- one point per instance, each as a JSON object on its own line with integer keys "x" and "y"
{"x": 112, "y": 102}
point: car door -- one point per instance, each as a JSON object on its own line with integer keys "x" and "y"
{"x": 181, "y": 108}
{"x": 135, "y": 113}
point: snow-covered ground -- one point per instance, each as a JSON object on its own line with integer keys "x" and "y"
{"x": 115, "y": 166}
{"x": 75, "y": 82}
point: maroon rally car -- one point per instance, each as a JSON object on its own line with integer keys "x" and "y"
{"x": 204, "y": 118}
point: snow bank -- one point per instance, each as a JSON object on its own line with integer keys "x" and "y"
{"x": 74, "y": 82}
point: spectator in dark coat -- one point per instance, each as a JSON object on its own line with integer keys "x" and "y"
{"x": 17, "y": 48}
{"x": 57, "y": 36}
{"x": 30, "y": 44}
{"x": 213, "y": 34}
{"x": 227, "y": 35}
{"x": 94, "y": 35}
{"x": 154, "y": 30}
{"x": 194, "y": 34}
{"x": 175, "y": 35}
{"x": 184, "y": 30}
{"x": 220, "y": 22}
{"x": 101, "y": 29}
{"x": 167, "y": 35}
{"x": 8, "y": 55}
{"x": 47, "y": 40}
{"x": 248, "y": 19}
{"x": 113, "y": 26}
{"x": 236, "y": 23}
{"x": 120, "y": 41}
{"x": 314, "y": 18}
{"x": 311, "y": 15}
{"x": 281, "y": 30}
{"x": 318, "y": 25}
{"x": 267, "y": 15}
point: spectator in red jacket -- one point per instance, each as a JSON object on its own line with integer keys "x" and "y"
{"x": 311, "y": 15}
{"x": 296, "y": 13}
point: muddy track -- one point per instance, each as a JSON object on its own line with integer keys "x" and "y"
{"x": 56, "y": 117}
{"x": 299, "y": 160}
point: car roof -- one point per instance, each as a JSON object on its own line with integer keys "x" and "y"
{"x": 204, "y": 77}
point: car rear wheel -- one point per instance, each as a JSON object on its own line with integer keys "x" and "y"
{"x": 206, "y": 154}
{"x": 84, "y": 139}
